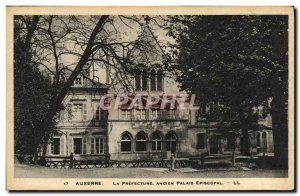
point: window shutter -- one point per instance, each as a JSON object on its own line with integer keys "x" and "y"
{"x": 49, "y": 148}
{"x": 92, "y": 145}
{"x": 62, "y": 146}
{"x": 71, "y": 145}
{"x": 84, "y": 146}
{"x": 88, "y": 145}
{"x": 84, "y": 112}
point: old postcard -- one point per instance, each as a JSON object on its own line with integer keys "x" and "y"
{"x": 150, "y": 98}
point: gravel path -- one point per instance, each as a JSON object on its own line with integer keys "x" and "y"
{"x": 29, "y": 171}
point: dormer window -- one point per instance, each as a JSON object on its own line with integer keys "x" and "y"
{"x": 78, "y": 81}
{"x": 141, "y": 81}
{"x": 155, "y": 80}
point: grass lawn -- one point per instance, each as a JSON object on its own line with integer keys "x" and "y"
{"x": 30, "y": 171}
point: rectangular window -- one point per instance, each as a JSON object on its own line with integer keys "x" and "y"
{"x": 140, "y": 114}
{"x": 171, "y": 146}
{"x": 125, "y": 146}
{"x": 156, "y": 114}
{"x": 201, "y": 141}
{"x": 97, "y": 115}
{"x": 156, "y": 145}
{"x": 159, "y": 80}
{"x": 125, "y": 114}
{"x": 141, "y": 145}
{"x": 77, "y": 144}
{"x": 77, "y": 112}
{"x": 153, "y": 82}
{"x": 100, "y": 114}
{"x": 137, "y": 82}
{"x": 55, "y": 146}
{"x": 100, "y": 144}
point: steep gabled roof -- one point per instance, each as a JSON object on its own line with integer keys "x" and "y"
{"x": 150, "y": 52}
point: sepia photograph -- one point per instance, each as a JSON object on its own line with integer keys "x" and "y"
{"x": 105, "y": 98}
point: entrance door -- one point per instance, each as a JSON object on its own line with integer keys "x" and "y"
{"x": 214, "y": 144}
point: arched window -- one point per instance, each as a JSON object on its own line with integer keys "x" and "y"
{"x": 141, "y": 141}
{"x": 153, "y": 80}
{"x": 264, "y": 139}
{"x": 258, "y": 139}
{"x": 141, "y": 80}
{"x": 126, "y": 139}
{"x": 171, "y": 141}
{"x": 156, "y": 141}
{"x": 159, "y": 80}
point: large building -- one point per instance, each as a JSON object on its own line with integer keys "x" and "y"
{"x": 89, "y": 132}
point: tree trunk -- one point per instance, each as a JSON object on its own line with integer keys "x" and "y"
{"x": 280, "y": 130}
{"x": 245, "y": 144}
{"x": 245, "y": 120}
{"x": 58, "y": 99}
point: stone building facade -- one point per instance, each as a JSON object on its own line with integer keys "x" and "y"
{"x": 91, "y": 133}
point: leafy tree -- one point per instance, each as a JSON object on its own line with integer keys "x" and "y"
{"x": 31, "y": 92}
{"x": 240, "y": 60}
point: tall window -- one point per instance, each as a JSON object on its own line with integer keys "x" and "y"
{"x": 159, "y": 80}
{"x": 137, "y": 79}
{"x": 201, "y": 141}
{"x": 156, "y": 80}
{"x": 100, "y": 114}
{"x": 141, "y": 81}
{"x": 258, "y": 139}
{"x": 77, "y": 144}
{"x": 55, "y": 146}
{"x": 97, "y": 145}
{"x": 156, "y": 141}
{"x": 171, "y": 141}
{"x": 264, "y": 139}
{"x": 140, "y": 114}
{"x": 126, "y": 140}
{"x": 79, "y": 112}
{"x": 141, "y": 141}
{"x": 156, "y": 114}
{"x": 153, "y": 81}
{"x": 125, "y": 114}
